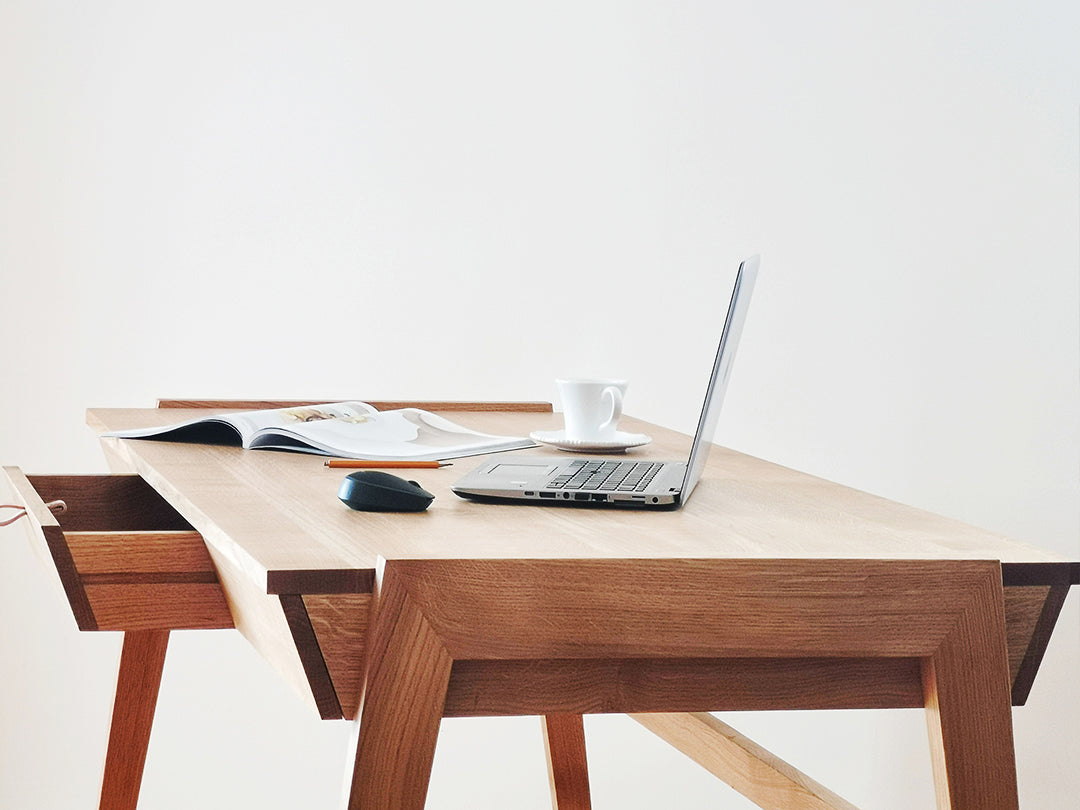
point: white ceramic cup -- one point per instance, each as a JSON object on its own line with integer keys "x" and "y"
{"x": 591, "y": 408}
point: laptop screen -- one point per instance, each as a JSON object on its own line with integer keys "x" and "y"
{"x": 721, "y": 371}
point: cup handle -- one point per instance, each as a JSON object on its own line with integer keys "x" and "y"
{"x": 616, "y": 408}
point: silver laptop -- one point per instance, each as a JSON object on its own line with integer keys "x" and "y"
{"x": 609, "y": 481}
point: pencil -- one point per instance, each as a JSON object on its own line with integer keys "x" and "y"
{"x": 359, "y": 464}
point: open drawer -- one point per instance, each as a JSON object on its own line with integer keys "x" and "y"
{"x": 126, "y": 559}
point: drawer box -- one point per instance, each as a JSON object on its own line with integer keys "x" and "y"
{"x": 126, "y": 559}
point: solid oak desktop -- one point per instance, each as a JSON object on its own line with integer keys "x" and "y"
{"x": 770, "y": 589}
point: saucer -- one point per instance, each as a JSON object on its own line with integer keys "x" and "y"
{"x": 616, "y": 444}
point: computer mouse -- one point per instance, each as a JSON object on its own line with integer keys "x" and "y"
{"x": 377, "y": 491}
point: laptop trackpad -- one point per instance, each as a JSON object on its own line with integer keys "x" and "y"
{"x": 519, "y": 472}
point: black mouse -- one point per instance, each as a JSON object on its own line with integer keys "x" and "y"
{"x": 376, "y": 491}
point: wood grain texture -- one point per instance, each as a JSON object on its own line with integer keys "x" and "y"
{"x": 262, "y": 503}
{"x": 127, "y": 560}
{"x": 685, "y": 608}
{"x": 340, "y": 622}
{"x": 145, "y": 552}
{"x": 772, "y": 563}
{"x": 159, "y": 606}
{"x": 568, "y": 768}
{"x": 1023, "y": 608}
{"x": 439, "y": 623}
{"x": 109, "y": 503}
{"x": 1023, "y": 583}
{"x": 757, "y": 774}
{"x": 257, "y": 615}
{"x": 51, "y": 546}
{"x": 311, "y": 657}
{"x": 969, "y": 717}
{"x": 273, "y": 519}
{"x": 488, "y": 688}
{"x": 407, "y": 677}
{"x": 378, "y": 404}
{"x": 142, "y": 661}
{"x": 1035, "y": 645}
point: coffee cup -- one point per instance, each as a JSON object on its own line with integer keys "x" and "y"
{"x": 591, "y": 408}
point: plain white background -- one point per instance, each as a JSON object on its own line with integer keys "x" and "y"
{"x": 465, "y": 200}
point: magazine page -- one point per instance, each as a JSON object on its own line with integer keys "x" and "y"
{"x": 249, "y": 423}
{"x": 406, "y": 434}
{"x": 239, "y": 428}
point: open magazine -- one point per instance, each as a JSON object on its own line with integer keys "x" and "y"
{"x": 343, "y": 429}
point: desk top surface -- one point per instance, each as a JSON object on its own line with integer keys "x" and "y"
{"x": 277, "y": 516}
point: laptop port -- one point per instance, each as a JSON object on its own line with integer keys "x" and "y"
{"x": 581, "y": 496}
{"x": 599, "y": 497}
{"x": 547, "y": 494}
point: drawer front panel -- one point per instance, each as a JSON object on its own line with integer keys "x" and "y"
{"x": 127, "y": 560}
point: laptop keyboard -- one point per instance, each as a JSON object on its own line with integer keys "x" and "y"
{"x": 609, "y": 476}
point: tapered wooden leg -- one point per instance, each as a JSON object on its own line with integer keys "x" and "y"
{"x": 408, "y": 674}
{"x": 568, "y": 770}
{"x": 969, "y": 711}
{"x": 141, "y": 664}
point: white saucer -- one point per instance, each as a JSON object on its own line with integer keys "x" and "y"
{"x": 616, "y": 444}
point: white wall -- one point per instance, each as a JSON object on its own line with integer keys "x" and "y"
{"x": 383, "y": 200}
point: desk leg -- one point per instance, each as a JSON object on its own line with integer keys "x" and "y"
{"x": 568, "y": 770}
{"x": 141, "y": 664}
{"x": 408, "y": 673}
{"x": 969, "y": 711}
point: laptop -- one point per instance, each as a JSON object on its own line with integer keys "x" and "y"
{"x": 609, "y": 481}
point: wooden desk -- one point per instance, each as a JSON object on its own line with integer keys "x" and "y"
{"x": 771, "y": 589}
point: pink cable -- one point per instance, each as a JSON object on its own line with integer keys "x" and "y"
{"x": 56, "y": 507}
{"x": 9, "y": 521}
